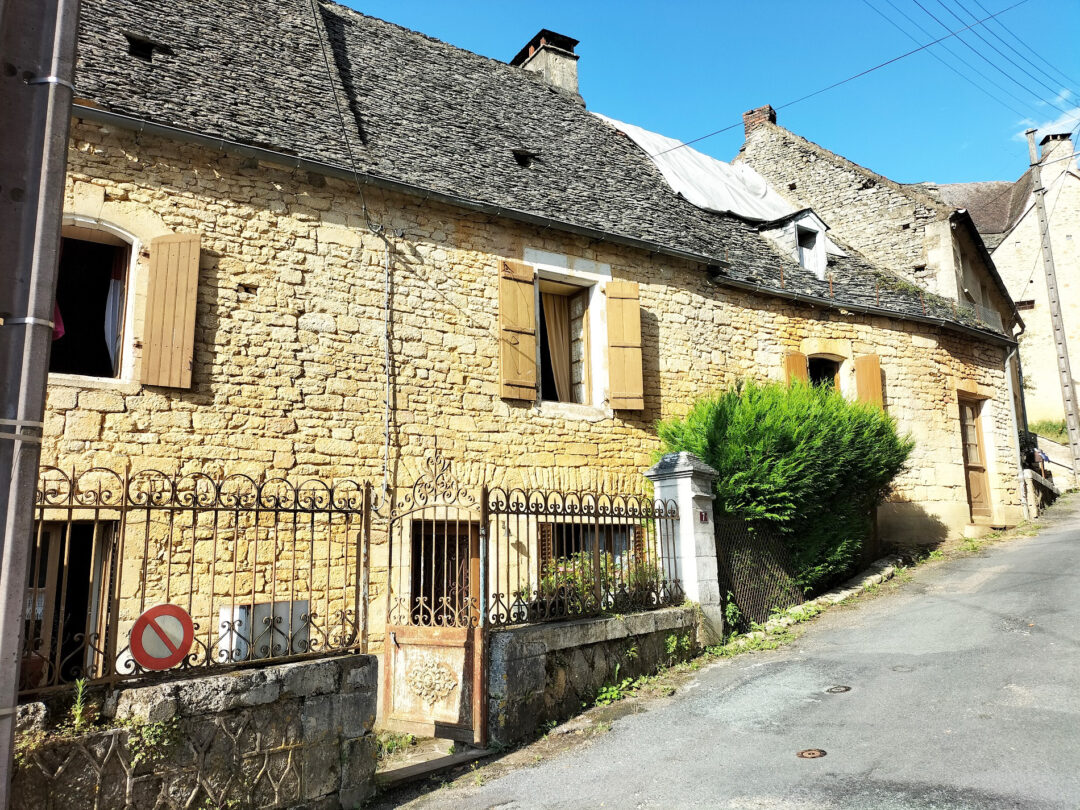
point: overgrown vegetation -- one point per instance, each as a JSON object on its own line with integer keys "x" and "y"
{"x": 390, "y": 742}
{"x": 1052, "y": 429}
{"x": 802, "y": 458}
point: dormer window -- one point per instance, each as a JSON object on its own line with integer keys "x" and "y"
{"x": 810, "y": 243}
{"x": 802, "y": 236}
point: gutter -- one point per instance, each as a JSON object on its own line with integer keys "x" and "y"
{"x": 80, "y": 109}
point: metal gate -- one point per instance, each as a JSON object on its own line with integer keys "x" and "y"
{"x": 433, "y": 675}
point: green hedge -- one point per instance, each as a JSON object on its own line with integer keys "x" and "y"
{"x": 800, "y": 457}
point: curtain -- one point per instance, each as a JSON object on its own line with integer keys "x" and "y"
{"x": 557, "y": 319}
{"x": 114, "y": 307}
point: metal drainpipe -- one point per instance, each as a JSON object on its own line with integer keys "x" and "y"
{"x": 1010, "y": 359}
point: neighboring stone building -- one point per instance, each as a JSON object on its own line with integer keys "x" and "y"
{"x": 273, "y": 270}
{"x": 906, "y": 228}
{"x": 1005, "y": 215}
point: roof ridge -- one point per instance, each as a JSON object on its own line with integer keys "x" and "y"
{"x": 904, "y": 188}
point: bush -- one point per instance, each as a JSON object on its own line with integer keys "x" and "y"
{"x": 800, "y": 457}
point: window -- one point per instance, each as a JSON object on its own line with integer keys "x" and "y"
{"x": 569, "y": 335}
{"x": 824, "y": 371}
{"x": 91, "y": 296}
{"x": 807, "y": 243}
{"x": 564, "y": 355}
{"x": 567, "y": 539}
{"x": 264, "y": 630}
{"x": 65, "y": 621}
{"x": 445, "y": 561}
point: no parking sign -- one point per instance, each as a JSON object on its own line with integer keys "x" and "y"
{"x": 162, "y": 637}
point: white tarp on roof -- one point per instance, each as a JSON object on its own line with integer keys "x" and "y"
{"x": 705, "y": 181}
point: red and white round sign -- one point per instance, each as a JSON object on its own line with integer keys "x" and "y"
{"x": 161, "y": 637}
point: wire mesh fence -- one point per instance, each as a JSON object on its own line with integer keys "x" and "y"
{"x": 755, "y": 570}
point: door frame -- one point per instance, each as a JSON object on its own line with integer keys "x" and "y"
{"x": 976, "y": 403}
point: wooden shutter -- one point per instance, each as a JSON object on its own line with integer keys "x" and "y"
{"x": 795, "y": 367}
{"x": 517, "y": 331}
{"x": 868, "y": 379}
{"x": 625, "y": 383}
{"x": 546, "y": 538}
{"x": 638, "y": 553}
{"x": 169, "y": 325}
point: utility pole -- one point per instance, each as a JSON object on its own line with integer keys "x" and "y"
{"x": 37, "y": 55}
{"x": 1068, "y": 393}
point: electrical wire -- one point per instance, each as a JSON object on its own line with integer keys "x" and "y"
{"x": 938, "y": 57}
{"x": 983, "y": 56}
{"x": 1012, "y": 48}
{"x": 1068, "y": 79}
{"x": 858, "y": 75}
{"x": 1006, "y": 57}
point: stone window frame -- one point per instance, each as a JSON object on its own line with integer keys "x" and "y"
{"x": 129, "y": 371}
{"x": 840, "y": 351}
{"x": 592, "y": 275}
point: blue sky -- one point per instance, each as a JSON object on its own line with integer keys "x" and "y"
{"x": 685, "y": 69}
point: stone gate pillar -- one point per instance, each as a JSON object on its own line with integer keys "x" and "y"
{"x": 688, "y": 481}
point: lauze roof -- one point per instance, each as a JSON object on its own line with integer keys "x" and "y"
{"x": 287, "y": 75}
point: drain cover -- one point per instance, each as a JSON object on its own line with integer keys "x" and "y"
{"x": 836, "y": 690}
{"x": 903, "y": 668}
{"x": 811, "y": 753}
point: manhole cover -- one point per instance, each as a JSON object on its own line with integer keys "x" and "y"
{"x": 836, "y": 690}
{"x": 903, "y": 668}
{"x": 811, "y": 753}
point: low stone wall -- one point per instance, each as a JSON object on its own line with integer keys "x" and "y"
{"x": 290, "y": 735}
{"x": 543, "y": 672}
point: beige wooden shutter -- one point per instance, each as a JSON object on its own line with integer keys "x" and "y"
{"x": 795, "y": 367}
{"x": 868, "y": 379}
{"x": 169, "y": 326}
{"x": 517, "y": 331}
{"x": 625, "y": 383}
{"x": 546, "y": 539}
{"x": 638, "y": 553}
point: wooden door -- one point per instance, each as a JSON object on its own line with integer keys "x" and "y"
{"x": 978, "y": 487}
{"x": 434, "y": 675}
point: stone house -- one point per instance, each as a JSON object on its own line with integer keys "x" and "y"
{"x": 905, "y": 227}
{"x": 1004, "y": 213}
{"x": 345, "y": 244}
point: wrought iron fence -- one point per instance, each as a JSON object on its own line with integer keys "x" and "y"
{"x": 559, "y": 555}
{"x": 505, "y": 556}
{"x": 755, "y": 570}
{"x": 267, "y": 569}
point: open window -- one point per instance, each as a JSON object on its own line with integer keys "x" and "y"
{"x": 91, "y": 298}
{"x": 823, "y": 371}
{"x": 555, "y": 325}
{"x": 564, "y": 342}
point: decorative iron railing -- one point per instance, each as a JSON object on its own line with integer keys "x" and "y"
{"x": 267, "y": 570}
{"x": 507, "y": 556}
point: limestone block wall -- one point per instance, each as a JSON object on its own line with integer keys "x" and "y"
{"x": 543, "y": 672}
{"x": 288, "y": 375}
{"x": 895, "y": 226}
{"x": 870, "y": 212}
{"x": 1019, "y": 259}
{"x": 292, "y": 735}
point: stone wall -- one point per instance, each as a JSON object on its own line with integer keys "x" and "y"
{"x": 288, "y": 374}
{"x": 543, "y": 672}
{"x": 291, "y": 735}
{"x": 1019, "y": 259}
{"x": 897, "y": 226}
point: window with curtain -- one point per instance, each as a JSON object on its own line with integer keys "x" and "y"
{"x": 88, "y": 318}
{"x": 564, "y": 354}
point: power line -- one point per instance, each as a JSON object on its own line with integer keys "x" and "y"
{"x": 1068, "y": 79}
{"x": 858, "y": 75}
{"x": 979, "y": 53}
{"x": 1006, "y": 57}
{"x": 999, "y": 38}
{"x": 951, "y": 67}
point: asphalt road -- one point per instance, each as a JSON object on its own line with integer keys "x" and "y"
{"x": 965, "y": 693}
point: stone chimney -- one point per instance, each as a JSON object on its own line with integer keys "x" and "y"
{"x": 1054, "y": 153}
{"x": 752, "y": 119}
{"x": 552, "y": 56}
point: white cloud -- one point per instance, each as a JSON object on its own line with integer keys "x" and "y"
{"x": 1065, "y": 122}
